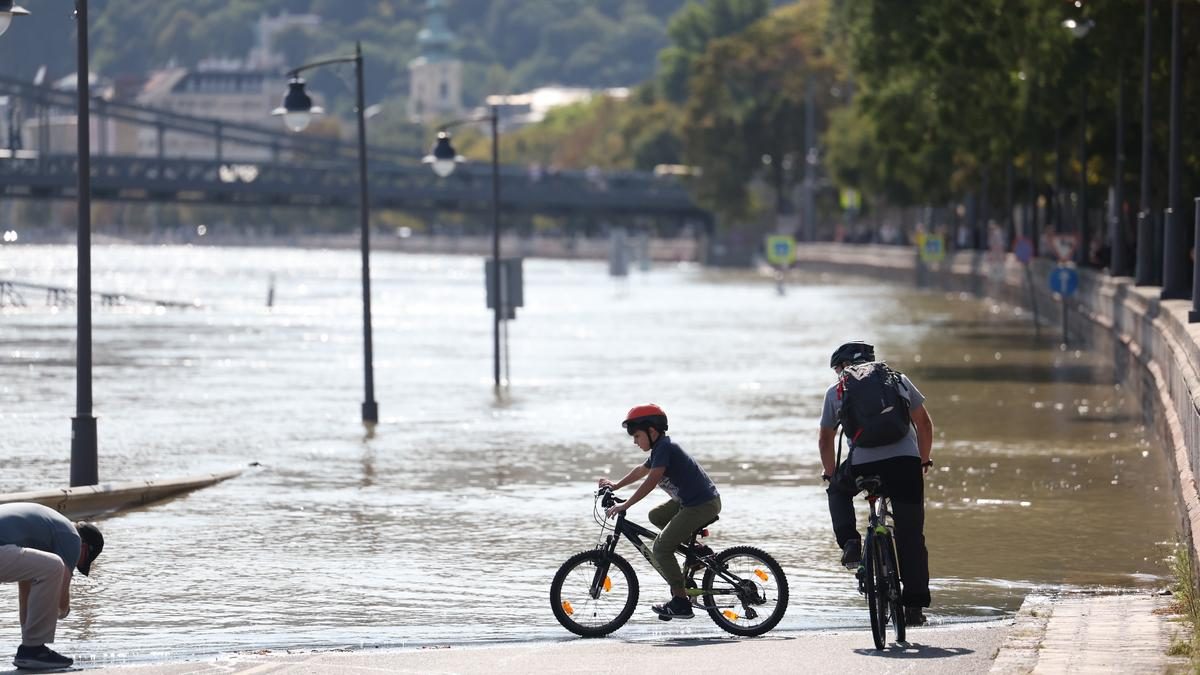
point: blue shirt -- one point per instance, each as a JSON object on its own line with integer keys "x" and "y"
{"x": 39, "y": 527}
{"x": 683, "y": 479}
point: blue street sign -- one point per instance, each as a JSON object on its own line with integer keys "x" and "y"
{"x": 1064, "y": 281}
{"x": 1023, "y": 250}
{"x": 781, "y": 250}
{"x": 933, "y": 247}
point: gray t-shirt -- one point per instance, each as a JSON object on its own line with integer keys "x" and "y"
{"x": 39, "y": 527}
{"x": 905, "y": 447}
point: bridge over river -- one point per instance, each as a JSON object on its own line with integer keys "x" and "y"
{"x": 304, "y": 170}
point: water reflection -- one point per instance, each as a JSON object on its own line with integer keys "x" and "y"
{"x": 447, "y": 521}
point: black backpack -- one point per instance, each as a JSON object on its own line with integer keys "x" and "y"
{"x": 874, "y": 412}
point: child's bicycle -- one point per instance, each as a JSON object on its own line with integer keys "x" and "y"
{"x": 595, "y": 592}
{"x": 878, "y": 574}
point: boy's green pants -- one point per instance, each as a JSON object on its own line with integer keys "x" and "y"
{"x": 677, "y": 524}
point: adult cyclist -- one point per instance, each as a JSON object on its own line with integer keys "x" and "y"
{"x": 901, "y": 465}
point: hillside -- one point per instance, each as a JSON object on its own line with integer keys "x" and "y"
{"x": 507, "y": 45}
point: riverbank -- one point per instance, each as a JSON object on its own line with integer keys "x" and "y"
{"x": 1156, "y": 354}
{"x": 1159, "y": 353}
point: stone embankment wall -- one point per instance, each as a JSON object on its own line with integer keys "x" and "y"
{"x": 1156, "y": 346}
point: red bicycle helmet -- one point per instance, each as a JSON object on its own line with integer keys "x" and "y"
{"x": 642, "y": 416}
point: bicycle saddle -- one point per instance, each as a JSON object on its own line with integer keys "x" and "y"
{"x": 869, "y": 483}
{"x": 714, "y": 519}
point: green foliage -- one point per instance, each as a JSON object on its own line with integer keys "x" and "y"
{"x": 746, "y": 108}
{"x": 1187, "y": 601}
{"x": 508, "y": 45}
{"x": 604, "y": 132}
{"x": 947, "y": 90}
{"x": 690, "y": 31}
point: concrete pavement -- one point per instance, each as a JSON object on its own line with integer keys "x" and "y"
{"x": 1093, "y": 633}
{"x": 950, "y": 649}
{"x": 1067, "y": 633}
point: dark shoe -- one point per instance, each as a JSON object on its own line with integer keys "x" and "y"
{"x": 40, "y": 658}
{"x": 913, "y": 616}
{"x": 852, "y": 553}
{"x": 677, "y": 608}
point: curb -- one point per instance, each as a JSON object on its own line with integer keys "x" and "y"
{"x": 86, "y": 501}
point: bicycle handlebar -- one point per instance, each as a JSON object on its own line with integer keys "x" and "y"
{"x": 605, "y": 494}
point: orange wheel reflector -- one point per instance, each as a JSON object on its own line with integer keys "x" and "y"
{"x": 568, "y": 608}
{"x": 607, "y": 584}
{"x": 760, "y": 574}
{"x": 731, "y": 615}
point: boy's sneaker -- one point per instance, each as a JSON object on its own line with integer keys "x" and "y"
{"x": 852, "y": 553}
{"x": 677, "y": 608}
{"x": 40, "y": 658}
{"x": 913, "y": 616}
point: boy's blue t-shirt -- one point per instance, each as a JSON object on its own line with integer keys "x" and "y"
{"x": 684, "y": 479}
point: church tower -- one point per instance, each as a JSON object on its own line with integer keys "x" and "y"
{"x": 435, "y": 77}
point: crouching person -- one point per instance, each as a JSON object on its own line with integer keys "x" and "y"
{"x": 39, "y": 549}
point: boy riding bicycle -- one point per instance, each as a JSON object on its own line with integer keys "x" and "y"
{"x": 694, "y": 499}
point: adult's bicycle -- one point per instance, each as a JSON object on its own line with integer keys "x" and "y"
{"x": 878, "y": 573}
{"x": 595, "y": 591}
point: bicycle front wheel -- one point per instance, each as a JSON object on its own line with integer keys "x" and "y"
{"x": 876, "y": 593}
{"x": 745, "y": 591}
{"x": 594, "y": 593}
{"x": 892, "y": 573}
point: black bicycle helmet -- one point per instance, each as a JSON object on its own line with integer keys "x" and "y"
{"x": 852, "y": 352}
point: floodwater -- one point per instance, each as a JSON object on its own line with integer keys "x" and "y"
{"x": 447, "y": 523}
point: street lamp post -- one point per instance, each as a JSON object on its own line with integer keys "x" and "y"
{"x": 1145, "y": 270}
{"x": 7, "y": 11}
{"x": 84, "y": 465}
{"x": 1176, "y": 275}
{"x": 1079, "y": 28}
{"x": 443, "y": 159}
{"x": 297, "y": 110}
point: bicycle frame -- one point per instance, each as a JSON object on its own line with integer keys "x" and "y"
{"x": 635, "y": 534}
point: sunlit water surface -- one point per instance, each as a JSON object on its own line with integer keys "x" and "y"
{"x": 448, "y": 523}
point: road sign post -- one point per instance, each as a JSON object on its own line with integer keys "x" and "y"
{"x": 781, "y": 250}
{"x": 1023, "y": 250}
{"x": 933, "y": 247}
{"x": 781, "y": 253}
{"x": 1064, "y": 281}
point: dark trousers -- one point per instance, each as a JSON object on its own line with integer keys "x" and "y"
{"x": 903, "y": 481}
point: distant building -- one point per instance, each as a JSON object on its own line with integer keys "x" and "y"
{"x": 435, "y": 77}
{"x": 233, "y": 90}
{"x": 241, "y": 96}
{"x": 519, "y": 110}
{"x": 53, "y": 129}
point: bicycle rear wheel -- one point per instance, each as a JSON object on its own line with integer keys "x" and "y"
{"x": 749, "y": 596}
{"x": 876, "y": 598}
{"x": 892, "y": 573}
{"x": 594, "y": 593}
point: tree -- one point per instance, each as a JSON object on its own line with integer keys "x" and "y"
{"x": 747, "y": 104}
{"x": 692, "y": 28}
